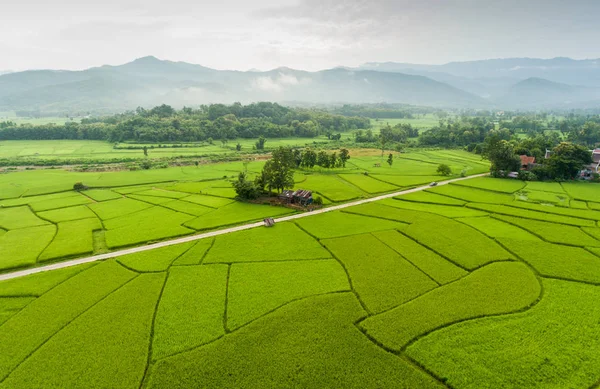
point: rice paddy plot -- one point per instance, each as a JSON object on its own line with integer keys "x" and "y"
{"x": 493, "y": 184}
{"x": 36, "y": 199}
{"x": 472, "y": 194}
{"x": 191, "y": 309}
{"x": 497, "y": 288}
{"x": 331, "y": 186}
{"x": 220, "y": 192}
{"x": 308, "y": 343}
{"x": 150, "y": 199}
{"x": 64, "y": 202}
{"x": 336, "y": 224}
{"x": 578, "y": 204}
{"x": 438, "y": 209}
{"x": 381, "y": 278}
{"x": 406, "y": 181}
{"x": 162, "y": 193}
{"x": 539, "y": 348}
{"x": 24, "y": 333}
{"x": 385, "y": 210}
{"x": 114, "y": 208}
{"x": 516, "y": 210}
{"x": 256, "y": 289}
{"x": 157, "y": 260}
{"x": 236, "y": 213}
{"x": 195, "y": 254}
{"x": 463, "y": 245}
{"x": 554, "y": 187}
{"x": 39, "y": 283}
{"x": 557, "y": 261}
{"x": 544, "y": 198}
{"x": 187, "y": 207}
{"x": 282, "y": 242}
{"x": 13, "y": 253}
{"x": 106, "y": 346}
{"x": 549, "y": 209}
{"x": 368, "y": 184}
{"x": 438, "y": 268}
{"x": 552, "y": 232}
{"x": 72, "y": 238}
{"x": 67, "y": 214}
{"x": 102, "y": 194}
{"x": 430, "y": 198}
{"x": 19, "y": 217}
{"x": 585, "y": 191}
{"x": 496, "y": 228}
{"x": 9, "y": 306}
{"x": 208, "y": 201}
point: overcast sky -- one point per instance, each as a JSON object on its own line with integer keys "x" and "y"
{"x": 303, "y": 34}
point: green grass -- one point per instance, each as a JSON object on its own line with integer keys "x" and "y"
{"x": 258, "y": 288}
{"x": 14, "y": 253}
{"x": 552, "y": 260}
{"x": 191, "y": 309}
{"x": 498, "y": 288}
{"x": 381, "y": 277}
{"x": 460, "y": 243}
{"x": 19, "y": 217}
{"x": 368, "y": 184}
{"x": 531, "y": 214}
{"x": 25, "y": 332}
{"x": 552, "y": 232}
{"x": 156, "y": 260}
{"x": 495, "y": 228}
{"x": 307, "y": 344}
{"x": 282, "y": 242}
{"x": 72, "y": 238}
{"x": 83, "y": 353}
{"x": 438, "y": 209}
{"x": 438, "y": 268}
{"x": 235, "y": 213}
{"x": 335, "y": 224}
{"x": 493, "y": 184}
{"x": 472, "y": 194}
{"x": 553, "y": 345}
{"x": 66, "y": 214}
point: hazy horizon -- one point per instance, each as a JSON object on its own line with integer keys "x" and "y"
{"x": 301, "y": 34}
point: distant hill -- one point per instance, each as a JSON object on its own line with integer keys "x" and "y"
{"x": 150, "y": 81}
{"x": 499, "y": 83}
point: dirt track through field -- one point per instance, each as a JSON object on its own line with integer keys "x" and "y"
{"x": 114, "y": 254}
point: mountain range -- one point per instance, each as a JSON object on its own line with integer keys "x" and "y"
{"x": 515, "y": 83}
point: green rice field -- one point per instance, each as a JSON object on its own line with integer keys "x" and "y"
{"x": 473, "y": 284}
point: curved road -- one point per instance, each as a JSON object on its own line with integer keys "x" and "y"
{"x": 100, "y": 257}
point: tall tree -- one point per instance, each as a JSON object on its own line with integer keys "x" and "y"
{"x": 568, "y": 159}
{"x": 344, "y": 156}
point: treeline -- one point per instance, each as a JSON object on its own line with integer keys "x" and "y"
{"x": 217, "y": 121}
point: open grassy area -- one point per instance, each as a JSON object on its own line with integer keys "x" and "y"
{"x": 461, "y": 286}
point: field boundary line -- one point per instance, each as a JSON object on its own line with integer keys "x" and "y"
{"x": 114, "y": 254}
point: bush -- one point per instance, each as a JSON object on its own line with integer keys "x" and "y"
{"x": 318, "y": 200}
{"x": 525, "y": 175}
{"x": 79, "y": 186}
{"x": 444, "y": 169}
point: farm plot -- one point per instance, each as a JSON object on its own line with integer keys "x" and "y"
{"x": 532, "y": 214}
{"x": 492, "y": 184}
{"x": 558, "y": 261}
{"x": 72, "y": 238}
{"x": 497, "y": 288}
{"x": 19, "y": 217}
{"x": 381, "y": 278}
{"x": 368, "y": 184}
{"x": 496, "y": 228}
{"x": 154, "y": 260}
{"x": 430, "y": 198}
{"x": 285, "y": 242}
{"x": 332, "y": 187}
{"x": 438, "y": 209}
{"x": 406, "y": 181}
{"x": 13, "y": 253}
{"x": 235, "y": 213}
{"x": 335, "y": 224}
{"x": 115, "y": 208}
{"x": 539, "y": 348}
{"x": 472, "y": 195}
{"x": 67, "y": 214}
{"x": 256, "y": 289}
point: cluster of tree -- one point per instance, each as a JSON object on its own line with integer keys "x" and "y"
{"x": 309, "y": 158}
{"x": 457, "y": 132}
{"x": 379, "y": 111}
{"x": 217, "y": 121}
{"x": 565, "y": 162}
{"x": 278, "y": 172}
